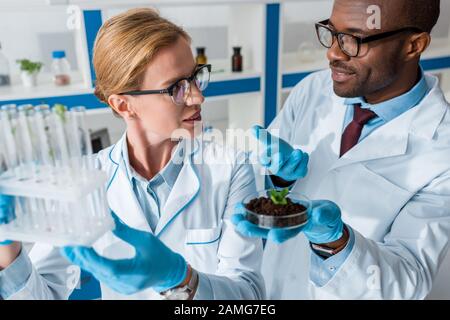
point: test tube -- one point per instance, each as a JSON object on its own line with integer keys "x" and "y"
{"x": 26, "y": 149}
{"x": 29, "y": 149}
{"x": 8, "y": 118}
{"x": 9, "y": 161}
{"x": 80, "y": 137}
{"x": 3, "y": 161}
{"x": 46, "y": 160}
{"x": 60, "y": 145}
{"x": 3, "y": 158}
{"x": 93, "y": 208}
{"x": 62, "y": 160}
{"x": 45, "y": 154}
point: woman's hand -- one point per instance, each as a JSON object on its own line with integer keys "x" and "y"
{"x": 9, "y": 251}
{"x": 153, "y": 266}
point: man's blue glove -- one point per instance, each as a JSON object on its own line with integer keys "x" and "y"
{"x": 279, "y": 157}
{"x": 153, "y": 266}
{"x": 7, "y": 213}
{"x": 324, "y": 225}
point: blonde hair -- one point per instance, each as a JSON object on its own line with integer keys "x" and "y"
{"x": 125, "y": 45}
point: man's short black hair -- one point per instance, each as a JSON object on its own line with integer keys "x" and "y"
{"x": 422, "y": 14}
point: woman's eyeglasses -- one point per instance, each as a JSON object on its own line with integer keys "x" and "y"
{"x": 351, "y": 44}
{"x": 180, "y": 90}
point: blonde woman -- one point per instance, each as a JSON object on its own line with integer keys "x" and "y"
{"x": 171, "y": 199}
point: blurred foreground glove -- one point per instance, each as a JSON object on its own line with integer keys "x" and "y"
{"x": 324, "y": 225}
{"x": 153, "y": 266}
{"x": 7, "y": 212}
{"x": 279, "y": 157}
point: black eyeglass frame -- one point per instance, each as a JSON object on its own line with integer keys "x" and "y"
{"x": 171, "y": 88}
{"x": 359, "y": 40}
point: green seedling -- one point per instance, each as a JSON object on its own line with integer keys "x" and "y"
{"x": 279, "y": 197}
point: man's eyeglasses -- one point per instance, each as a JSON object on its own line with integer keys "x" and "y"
{"x": 351, "y": 44}
{"x": 180, "y": 90}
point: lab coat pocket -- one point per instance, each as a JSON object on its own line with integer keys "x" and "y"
{"x": 201, "y": 248}
{"x": 369, "y": 202}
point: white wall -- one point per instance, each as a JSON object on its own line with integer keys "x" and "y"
{"x": 34, "y": 35}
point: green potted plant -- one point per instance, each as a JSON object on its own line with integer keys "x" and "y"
{"x": 277, "y": 209}
{"x": 29, "y": 71}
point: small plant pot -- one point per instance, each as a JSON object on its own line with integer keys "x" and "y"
{"x": 29, "y": 79}
{"x": 261, "y": 211}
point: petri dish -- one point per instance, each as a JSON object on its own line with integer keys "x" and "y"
{"x": 280, "y": 220}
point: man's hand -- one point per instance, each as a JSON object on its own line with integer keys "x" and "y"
{"x": 324, "y": 225}
{"x": 280, "y": 158}
{"x": 153, "y": 266}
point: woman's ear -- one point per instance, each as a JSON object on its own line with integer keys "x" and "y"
{"x": 417, "y": 45}
{"x": 121, "y": 105}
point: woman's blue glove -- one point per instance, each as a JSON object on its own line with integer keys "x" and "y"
{"x": 324, "y": 225}
{"x": 7, "y": 213}
{"x": 279, "y": 157}
{"x": 153, "y": 266}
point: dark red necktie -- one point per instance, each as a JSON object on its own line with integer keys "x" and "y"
{"x": 352, "y": 133}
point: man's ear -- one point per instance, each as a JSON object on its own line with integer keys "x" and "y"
{"x": 121, "y": 105}
{"x": 417, "y": 45}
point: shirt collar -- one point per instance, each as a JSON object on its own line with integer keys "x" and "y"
{"x": 169, "y": 173}
{"x": 390, "y": 109}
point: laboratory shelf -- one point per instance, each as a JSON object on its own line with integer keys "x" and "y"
{"x": 48, "y": 89}
{"x": 77, "y": 94}
{"x": 231, "y": 87}
{"x": 217, "y": 76}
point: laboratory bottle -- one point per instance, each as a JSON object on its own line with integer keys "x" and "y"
{"x": 236, "y": 60}
{"x": 60, "y": 68}
{"x": 201, "y": 56}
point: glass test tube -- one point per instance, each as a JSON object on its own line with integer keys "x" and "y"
{"x": 10, "y": 160}
{"x": 84, "y": 148}
{"x": 8, "y": 118}
{"x": 79, "y": 137}
{"x": 65, "y": 175}
{"x": 4, "y": 164}
{"x": 62, "y": 159}
{"x": 46, "y": 160}
{"x": 29, "y": 151}
{"x": 45, "y": 153}
{"x": 26, "y": 149}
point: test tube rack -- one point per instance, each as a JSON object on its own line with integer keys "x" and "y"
{"x": 63, "y": 213}
{"x": 47, "y": 165}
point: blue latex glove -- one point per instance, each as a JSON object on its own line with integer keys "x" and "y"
{"x": 153, "y": 266}
{"x": 324, "y": 225}
{"x": 280, "y": 158}
{"x": 7, "y": 213}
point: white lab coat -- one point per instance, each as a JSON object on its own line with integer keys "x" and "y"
{"x": 393, "y": 189}
{"x": 194, "y": 222}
